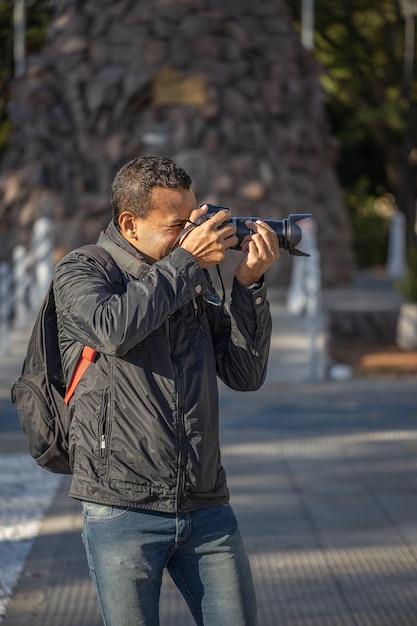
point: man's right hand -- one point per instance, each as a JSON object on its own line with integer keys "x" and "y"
{"x": 207, "y": 242}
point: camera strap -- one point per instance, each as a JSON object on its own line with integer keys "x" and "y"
{"x": 214, "y": 299}
{"x": 184, "y": 232}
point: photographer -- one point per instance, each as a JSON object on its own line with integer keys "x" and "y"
{"x": 145, "y": 434}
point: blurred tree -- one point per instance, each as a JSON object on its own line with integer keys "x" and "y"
{"x": 360, "y": 46}
{"x": 38, "y": 13}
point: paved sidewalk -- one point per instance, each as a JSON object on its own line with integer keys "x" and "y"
{"x": 323, "y": 480}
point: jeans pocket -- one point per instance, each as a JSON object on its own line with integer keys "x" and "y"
{"x": 102, "y": 511}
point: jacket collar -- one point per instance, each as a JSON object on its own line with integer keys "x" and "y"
{"x": 125, "y": 255}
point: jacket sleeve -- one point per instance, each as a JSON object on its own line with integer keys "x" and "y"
{"x": 95, "y": 314}
{"x": 241, "y": 338}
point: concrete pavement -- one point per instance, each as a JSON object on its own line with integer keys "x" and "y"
{"x": 323, "y": 480}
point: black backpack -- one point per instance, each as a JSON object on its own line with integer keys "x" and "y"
{"x": 40, "y": 394}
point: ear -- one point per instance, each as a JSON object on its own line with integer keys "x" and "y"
{"x": 127, "y": 224}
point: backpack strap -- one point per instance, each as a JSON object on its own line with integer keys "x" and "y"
{"x": 88, "y": 354}
{"x": 87, "y": 357}
{"x": 113, "y": 259}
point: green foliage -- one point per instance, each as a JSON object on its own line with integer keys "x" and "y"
{"x": 360, "y": 46}
{"x": 370, "y": 226}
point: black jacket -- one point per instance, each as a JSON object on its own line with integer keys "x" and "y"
{"x": 145, "y": 424}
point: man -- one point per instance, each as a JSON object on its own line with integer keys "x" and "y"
{"x": 144, "y": 441}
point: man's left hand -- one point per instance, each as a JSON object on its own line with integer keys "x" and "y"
{"x": 261, "y": 251}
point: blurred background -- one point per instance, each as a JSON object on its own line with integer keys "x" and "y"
{"x": 366, "y": 52}
{"x": 273, "y": 107}
{"x": 83, "y": 60}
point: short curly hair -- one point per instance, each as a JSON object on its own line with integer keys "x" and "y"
{"x": 133, "y": 184}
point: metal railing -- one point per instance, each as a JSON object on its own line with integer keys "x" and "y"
{"x": 304, "y": 297}
{"x": 25, "y": 280}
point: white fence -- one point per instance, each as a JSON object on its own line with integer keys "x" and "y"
{"x": 24, "y": 281}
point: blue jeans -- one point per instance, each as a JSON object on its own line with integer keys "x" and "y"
{"x": 128, "y": 550}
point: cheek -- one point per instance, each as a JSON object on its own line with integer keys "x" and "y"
{"x": 172, "y": 237}
{"x": 165, "y": 243}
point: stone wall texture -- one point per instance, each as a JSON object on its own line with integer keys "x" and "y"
{"x": 224, "y": 88}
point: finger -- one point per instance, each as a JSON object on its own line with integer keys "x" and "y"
{"x": 263, "y": 248}
{"x": 266, "y": 233}
{"x": 244, "y": 245}
{"x": 231, "y": 240}
{"x": 220, "y": 217}
{"x": 255, "y": 226}
{"x": 197, "y": 213}
{"x": 251, "y": 226}
{"x": 226, "y": 230}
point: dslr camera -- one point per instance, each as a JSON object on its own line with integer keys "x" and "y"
{"x": 288, "y": 232}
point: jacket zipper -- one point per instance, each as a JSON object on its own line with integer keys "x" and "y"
{"x": 180, "y": 423}
{"x": 107, "y": 417}
{"x": 104, "y": 425}
{"x": 197, "y": 315}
